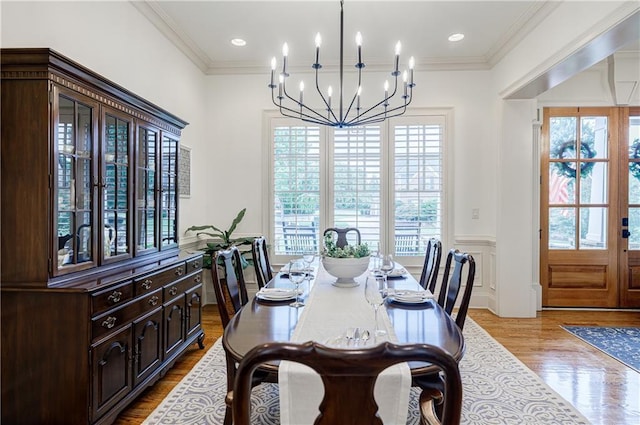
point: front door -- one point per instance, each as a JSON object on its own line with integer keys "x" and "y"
{"x": 590, "y": 205}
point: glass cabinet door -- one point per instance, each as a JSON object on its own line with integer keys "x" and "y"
{"x": 169, "y": 192}
{"x": 75, "y": 134}
{"x": 146, "y": 218}
{"x": 116, "y": 178}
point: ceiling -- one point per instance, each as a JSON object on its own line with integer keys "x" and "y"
{"x": 203, "y": 30}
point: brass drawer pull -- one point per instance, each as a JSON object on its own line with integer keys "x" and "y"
{"x": 147, "y": 284}
{"x": 115, "y": 297}
{"x": 196, "y": 264}
{"x": 173, "y": 290}
{"x": 109, "y": 322}
{"x": 153, "y": 300}
{"x": 179, "y": 271}
{"x": 197, "y": 279}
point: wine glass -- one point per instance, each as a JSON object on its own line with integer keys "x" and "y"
{"x": 297, "y": 274}
{"x": 308, "y": 260}
{"x": 376, "y": 291}
{"x": 387, "y": 265}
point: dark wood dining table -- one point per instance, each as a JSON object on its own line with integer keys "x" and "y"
{"x": 261, "y": 321}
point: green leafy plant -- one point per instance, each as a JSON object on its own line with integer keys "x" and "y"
{"x": 349, "y": 251}
{"x": 222, "y": 239}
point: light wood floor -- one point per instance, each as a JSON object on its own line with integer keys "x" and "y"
{"x": 602, "y": 389}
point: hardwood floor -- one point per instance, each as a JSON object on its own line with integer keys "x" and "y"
{"x": 601, "y": 388}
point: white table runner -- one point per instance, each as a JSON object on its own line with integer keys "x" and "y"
{"x": 328, "y": 313}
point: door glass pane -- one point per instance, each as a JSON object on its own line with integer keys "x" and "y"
{"x": 84, "y": 143}
{"x": 562, "y": 228}
{"x": 74, "y": 183}
{"x": 562, "y": 188}
{"x": 146, "y": 190}
{"x": 85, "y": 241}
{"x": 169, "y": 193}
{"x": 594, "y": 138}
{"x": 593, "y": 228}
{"x": 634, "y": 228}
{"x": 116, "y": 198}
{"x": 593, "y": 184}
{"x": 562, "y": 137}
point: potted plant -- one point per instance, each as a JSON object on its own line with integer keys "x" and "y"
{"x": 222, "y": 239}
{"x": 344, "y": 263}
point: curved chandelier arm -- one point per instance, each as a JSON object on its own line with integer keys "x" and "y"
{"x": 291, "y": 113}
{"x": 380, "y": 116}
{"x": 316, "y": 115}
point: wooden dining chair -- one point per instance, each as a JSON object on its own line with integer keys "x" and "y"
{"x": 231, "y": 295}
{"x": 429, "y": 276}
{"x": 344, "y": 370}
{"x": 261, "y": 263}
{"x": 452, "y": 281}
{"x": 432, "y": 384}
{"x": 228, "y": 283}
{"x": 341, "y": 233}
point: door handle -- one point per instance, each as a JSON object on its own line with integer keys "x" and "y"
{"x": 625, "y": 233}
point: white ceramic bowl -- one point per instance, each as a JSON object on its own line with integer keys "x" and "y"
{"x": 345, "y": 269}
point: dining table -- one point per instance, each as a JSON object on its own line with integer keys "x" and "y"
{"x": 266, "y": 320}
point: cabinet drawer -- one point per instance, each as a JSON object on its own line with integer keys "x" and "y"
{"x": 194, "y": 264}
{"x": 157, "y": 280}
{"x": 112, "y": 297}
{"x": 179, "y": 287}
{"x": 124, "y": 315}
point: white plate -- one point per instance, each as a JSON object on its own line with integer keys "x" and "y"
{"x": 398, "y": 272}
{"x": 276, "y": 294}
{"x": 411, "y": 297}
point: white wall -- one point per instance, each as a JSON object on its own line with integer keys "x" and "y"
{"x": 116, "y": 41}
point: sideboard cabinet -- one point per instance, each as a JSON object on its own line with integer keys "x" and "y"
{"x": 97, "y": 299}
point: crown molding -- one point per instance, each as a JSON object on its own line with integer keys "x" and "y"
{"x": 168, "y": 27}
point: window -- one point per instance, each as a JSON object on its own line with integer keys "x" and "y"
{"x": 388, "y": 180}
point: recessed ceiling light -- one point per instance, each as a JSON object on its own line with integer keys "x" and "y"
{"x": 238, "y": 42}
{"x": 456, "y": 37}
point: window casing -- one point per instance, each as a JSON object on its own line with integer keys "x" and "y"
{"x": 389, "y": 180}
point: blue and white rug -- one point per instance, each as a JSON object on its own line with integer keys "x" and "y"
{"x": 623, "y": 344}
{"x": 498, "y": 389}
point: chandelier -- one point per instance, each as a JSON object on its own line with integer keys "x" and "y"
{"x": 354, "y": 114}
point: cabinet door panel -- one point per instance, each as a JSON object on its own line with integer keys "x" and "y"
{"x": 116, "y": 182}
{"x": 169, "y": 192}
{"x": 111, "y": 361}
{"x": 146, "y": 191}
{"x": 147, "y": 351}
{"x": 174, "y": 329}
{"x": 75, "y": 133}
{"x": 194, "y": 308}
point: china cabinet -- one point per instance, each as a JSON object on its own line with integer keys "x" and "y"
{"x": 98, "y": 301}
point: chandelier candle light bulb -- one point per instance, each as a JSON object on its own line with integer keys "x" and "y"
{"x": 295, "y": 108}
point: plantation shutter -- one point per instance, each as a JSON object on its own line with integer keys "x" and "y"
{"x": 418, "y": 185}
{"x": 357, "y": 172}
{"x": 296, "y": 189}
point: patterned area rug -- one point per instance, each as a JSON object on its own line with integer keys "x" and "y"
{"x": 498, "y": 389}
{"x": 623, "y": 344}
